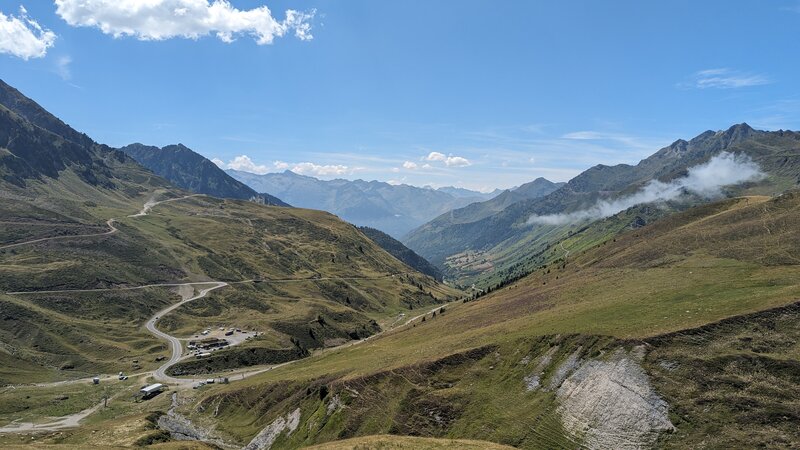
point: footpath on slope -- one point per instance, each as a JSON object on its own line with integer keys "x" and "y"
{"x": 111, "y": 230}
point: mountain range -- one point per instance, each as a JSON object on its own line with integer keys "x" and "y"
{"x": 191, "y": 171}
{"x": 646, "y": 306}
{"x": 481, "y": 241}
{"x": 393, "y": 209}
{"x": 82, "y": 223}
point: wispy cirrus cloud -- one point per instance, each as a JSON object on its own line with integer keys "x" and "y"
{"x": 779, "y": 115}
{"x": 724, "y": 78}
{"x": 63, "y": 67}
{"x": 627, "y": 140}
{"x": 156, "y": 20}
{"x": 23, "y": 37}
{"x": 792, "y": 8}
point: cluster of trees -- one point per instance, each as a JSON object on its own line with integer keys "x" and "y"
{"x": 433, "y": 315}
{"x": 560, "y": 264}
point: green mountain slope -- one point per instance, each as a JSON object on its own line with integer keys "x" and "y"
{"x": 77, "y": 263}
{"x": 478, "y": 211}
{"x": 40, "y": 154}
{"x": 193, "y": 172}
{"x": 401, "y": 252}
{"x": 504, "y": 239}
{"x": 656, "y": 339}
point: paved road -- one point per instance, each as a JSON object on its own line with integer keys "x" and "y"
{"x": 160, "y": 374}
{"x": 175, "y": 344}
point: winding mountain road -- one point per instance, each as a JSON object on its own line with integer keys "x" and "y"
{"x": 111, "y": 230}
{"x": 150, "y": 204}
{"x": 566, "y": 252}
{"x": 160, "y": 374}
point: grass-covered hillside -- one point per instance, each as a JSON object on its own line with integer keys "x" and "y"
{"x": 401, "y": 252}
{"x": 552, "y": 360}
{"x": 477, "y": 249}
{"x": 88, "y": 234}
{"x": 289, "y": 269}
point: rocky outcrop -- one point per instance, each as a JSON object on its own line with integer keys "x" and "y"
{"x": 267, "y": 436}
{"x": 534, "y": 380}
{"x": 610, "y": 404}
{"x": 181, "y": 428}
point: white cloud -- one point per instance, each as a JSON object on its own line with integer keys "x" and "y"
{"x": 449, "y": 161}
{"x": 165, "y": 19}
{"x": 245, "y": 164}
{"x": 457, "y": 161}
{"x": 725, "y": 78}
{"x": 427, "y": 166}
{"x": 220, "y": 163}
{"x": 410, "y": 165}
{"x": 307, "y": 168}
{"x": 23, "y": 37}
{"x": 435, "y": 156}
{"x": 706, "y": 180}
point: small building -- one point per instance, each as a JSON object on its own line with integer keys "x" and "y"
{"x": 151, "y": 390}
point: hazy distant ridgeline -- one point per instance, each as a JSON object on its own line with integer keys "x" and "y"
{"x": 395, "y": 210}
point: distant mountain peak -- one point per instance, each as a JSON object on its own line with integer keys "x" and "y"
{"x": 739, "y": 127}
{"x": 190, "y": 170}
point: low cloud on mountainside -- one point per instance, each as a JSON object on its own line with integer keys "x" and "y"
{"x": 707, "y": 180}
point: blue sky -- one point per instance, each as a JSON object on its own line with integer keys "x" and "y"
{"x": 480, "y": 94}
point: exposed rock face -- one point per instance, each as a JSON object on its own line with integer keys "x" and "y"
{"x": 609, "y": 404}
{"x": 534, "y": 380}
{"x": 564, "y": 369}
{"x": 334, "y": 405}
{"x": 182, "y": 429}
{"x": 267, "y": 436}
